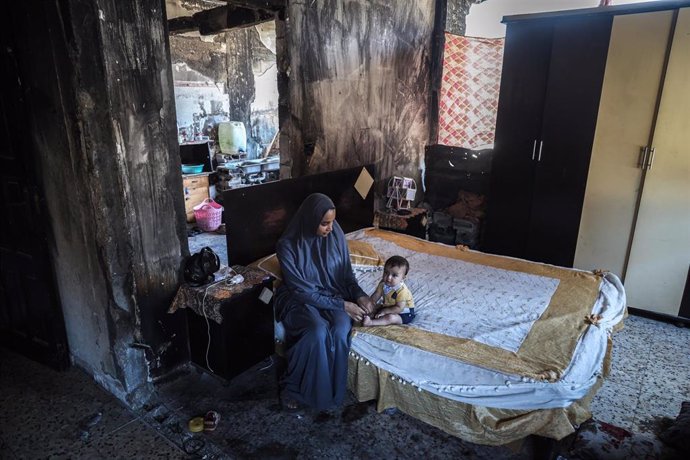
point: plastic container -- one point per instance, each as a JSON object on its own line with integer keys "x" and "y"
{"x": 232, "y": 137}
{"x": 192, "y": 169}
{"x": 208, "y": 215}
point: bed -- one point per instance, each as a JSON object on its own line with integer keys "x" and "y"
{"x": 501, "y": 348}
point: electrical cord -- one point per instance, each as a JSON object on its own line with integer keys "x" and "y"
{"x": 208, "y": 328}
{"x": 235, "y": 279}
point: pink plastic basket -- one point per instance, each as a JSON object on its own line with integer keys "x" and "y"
{"x": 208, "y": 215}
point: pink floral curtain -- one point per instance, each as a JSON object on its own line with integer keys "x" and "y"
{"x": 469, "y": 91}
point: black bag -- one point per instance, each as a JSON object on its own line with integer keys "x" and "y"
{"x": 200, "y": 267}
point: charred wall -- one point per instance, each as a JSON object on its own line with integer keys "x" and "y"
{"x": 359, "y": 85}
{"x": 457, "y": 11}
{"x": 97, "y": 82}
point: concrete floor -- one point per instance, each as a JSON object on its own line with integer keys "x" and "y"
{"x": 47, "y": 414}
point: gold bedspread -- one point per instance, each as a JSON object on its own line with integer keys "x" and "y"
{"x": 545, "y": 353}
{"x": 548, "y": 348}
{"x": 478, "y": 424}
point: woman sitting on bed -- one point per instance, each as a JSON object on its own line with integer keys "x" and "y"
{"x": 316, "y": 303}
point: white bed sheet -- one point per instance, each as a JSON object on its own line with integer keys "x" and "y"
{"x": 472, "y": 384}
{"x": 460, "y": 299}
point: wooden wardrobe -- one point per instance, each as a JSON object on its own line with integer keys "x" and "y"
{"x": 591, "y": 163}
{"x": 636, "y": 216}
{"x": 551, "y": 81}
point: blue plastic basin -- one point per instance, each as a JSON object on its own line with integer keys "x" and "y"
{"x": 192, "y": 169}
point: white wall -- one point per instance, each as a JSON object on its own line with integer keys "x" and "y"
{"x": 190, "y": 99}
{"x": 266, "y": 85}
{"x": 485, "y": 18}
{"x": 191, "y": 96}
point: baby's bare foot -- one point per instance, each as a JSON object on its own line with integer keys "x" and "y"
{"x": 366, "y": 321}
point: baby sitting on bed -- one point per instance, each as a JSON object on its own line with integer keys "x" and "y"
{"x": 397, "y": 305}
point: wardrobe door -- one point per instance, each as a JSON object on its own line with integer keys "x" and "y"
{"x": 518, "y": 126}
{"x": 660, "y": 254}
{"x": 576, "y": 73}
{"x": 628, "y": 103}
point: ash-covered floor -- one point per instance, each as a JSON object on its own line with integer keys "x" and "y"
{"x": 48, "y": 414}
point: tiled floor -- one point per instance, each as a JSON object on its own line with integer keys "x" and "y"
{"x": 46, "y": 414}
{"x": 650, "y": 377}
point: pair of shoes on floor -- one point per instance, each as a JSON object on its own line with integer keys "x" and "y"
{"x": 211, "y": 420}
{"x": 208, "y": 422}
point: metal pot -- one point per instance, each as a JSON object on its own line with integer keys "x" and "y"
{"x": 250, "y": 168}
{"x": 273, "y": 165}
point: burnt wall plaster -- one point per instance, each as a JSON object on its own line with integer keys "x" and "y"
{"x": 359, "y": 85}
{"x": 205, "y": 56}
{"x": 99, "y": 91}
{"x": 240, "y": 82}
{"x": 236, "y": 61}
{"x": 264, "y": 117}
{"x": 247, "y": 59}
{"x": 284, "y": 116}
{"x": 456, "y": 14}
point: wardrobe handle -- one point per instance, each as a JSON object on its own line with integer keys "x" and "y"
{"x": 534, "y": 149}
{"x": 541, "y": 144}
{"x": 651, "y": 159}
{"x": 642, "y": 160}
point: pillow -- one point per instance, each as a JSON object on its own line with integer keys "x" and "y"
{"x": 361, "y": 253}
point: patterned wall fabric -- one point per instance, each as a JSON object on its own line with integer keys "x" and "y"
{"x": 469, "y": 91}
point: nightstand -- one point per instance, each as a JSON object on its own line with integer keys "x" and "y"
{"x": 408, "y": 221}
{"x": 238, "y": 322}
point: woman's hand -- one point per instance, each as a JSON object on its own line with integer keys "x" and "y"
{"x": 366, "y": 304}
{"x": 354, "y": 311}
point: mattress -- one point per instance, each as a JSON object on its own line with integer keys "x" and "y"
{"x": 491, "y": 331}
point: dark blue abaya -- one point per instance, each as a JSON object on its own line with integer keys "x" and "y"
{"x": 317, "y": 279}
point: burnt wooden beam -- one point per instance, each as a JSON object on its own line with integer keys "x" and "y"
{"x": 215, "y": 20}
{"x": 182, "y": 24}
{"x": 234, "y": 17}
{"x": 273, "y": 5}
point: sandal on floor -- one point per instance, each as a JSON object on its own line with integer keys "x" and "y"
{"x": 211, "y": 420}
{"x": 196, "y": 424}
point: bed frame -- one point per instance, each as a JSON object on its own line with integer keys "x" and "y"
{"x": 255, "y": 217}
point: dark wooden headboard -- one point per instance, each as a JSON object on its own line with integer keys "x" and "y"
{"x": 256, "y": 216}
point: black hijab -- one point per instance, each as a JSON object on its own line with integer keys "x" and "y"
{"x": 316, "y": 270}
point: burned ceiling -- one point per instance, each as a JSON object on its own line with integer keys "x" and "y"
{"x": 211, "y": 16}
